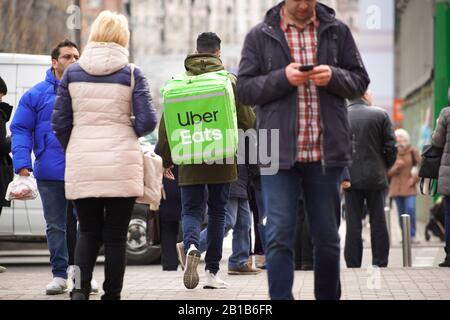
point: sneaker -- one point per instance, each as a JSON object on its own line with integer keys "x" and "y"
{"x": 181, "y": 255}
{"x": 245, "y": 269}
{"x": 214, "y": 282}
{"x": 260, "y": 261}
{"x": 2, "y": 269}
{"x": 57, "y": 286}
{"x": 191, "y": 277}
{"x": 94, "y": 286}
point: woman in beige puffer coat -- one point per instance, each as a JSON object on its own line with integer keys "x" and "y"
{"x": 104, "y": 163}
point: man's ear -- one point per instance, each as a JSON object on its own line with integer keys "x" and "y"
{"x": 54, "y": 64}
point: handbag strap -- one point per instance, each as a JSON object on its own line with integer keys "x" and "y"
{"x": 132, "y": 85}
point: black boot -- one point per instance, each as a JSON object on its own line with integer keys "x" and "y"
{"x": 446, "y": 263}
{"x": 83, "y": 293}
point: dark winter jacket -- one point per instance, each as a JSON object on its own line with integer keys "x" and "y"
{"x": 262, "y": 81}
{"x": 6, "y": 168}
{"x": 374, "y": 150}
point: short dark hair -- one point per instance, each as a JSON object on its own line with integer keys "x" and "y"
{"x": 57, "y": 50}
{"x": 3, "y": 87}
{"x": 208, "y": 42}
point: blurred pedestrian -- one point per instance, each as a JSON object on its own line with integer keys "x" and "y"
{"x": 404, "y": 178}
{"x": 441, "y": 139}
{"x": 31, "y": 131}
{"x": 6, "y": 167}
{"x": 170, "y": 217}
{"x": 374, "y": 153}
{"x": 298, "y": 67}
{"x": 104, "y": 170}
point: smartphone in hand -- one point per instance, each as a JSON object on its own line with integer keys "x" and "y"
{"x": 306, "y": 68}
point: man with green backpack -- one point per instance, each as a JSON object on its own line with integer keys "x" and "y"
{"x": 198, "y": 132}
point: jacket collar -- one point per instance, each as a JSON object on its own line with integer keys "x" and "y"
{"x": 202, "y": 63}
{"x": 50, "y": 78}
{"x": 359, "y": 101}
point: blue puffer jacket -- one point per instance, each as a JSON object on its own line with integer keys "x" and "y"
{"x": 31, "y": 130}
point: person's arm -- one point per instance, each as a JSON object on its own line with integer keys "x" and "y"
{"x": 254, "y": 87}
{"x": 246, "y": 117}
{"x": 349, "y": 80}
{"x": 395, "y": 170}
{"x": 163, "y": 145}
{"x": 439, "y": 136}
{"x": 143, "y": 108}
{"x": 389, "y": 142}
{"x": 62, "y": 117}
{"x": 5, "y": 142}
{"x": 22, "y": 130}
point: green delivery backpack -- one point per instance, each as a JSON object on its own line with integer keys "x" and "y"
{"x": 200, "y": 118}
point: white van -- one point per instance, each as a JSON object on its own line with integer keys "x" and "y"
{"x": 24, "y": 220}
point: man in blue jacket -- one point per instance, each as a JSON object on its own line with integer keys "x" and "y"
{"x": 32, "y": 131}
{"x": 307, "y": 107}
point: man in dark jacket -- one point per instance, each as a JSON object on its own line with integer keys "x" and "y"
{"x": 6, "y": 168}
{"x": 374, "y": 152}
{"x": 307, "y": 108}
{"x": 201, "y": 183}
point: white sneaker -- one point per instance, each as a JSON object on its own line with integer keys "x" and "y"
{"x": 214, "y": 282}
{"x": 2, "y": 269}
{"x": 191, "y": 277}
{"x": 94, "y": 286}
{"x": 57, "y": 286}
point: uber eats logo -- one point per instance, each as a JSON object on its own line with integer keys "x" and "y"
{"x": 191, "y": 119}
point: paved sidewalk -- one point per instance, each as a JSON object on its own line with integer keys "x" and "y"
{"x": 150, "y": 282}
{"x": 424, "y": 281}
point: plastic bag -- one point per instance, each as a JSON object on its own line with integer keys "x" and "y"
{"x": 22, "y": 188}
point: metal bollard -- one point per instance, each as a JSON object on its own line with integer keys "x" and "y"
{"x": 406, "y": 237}
{"x": 387, "y": 214}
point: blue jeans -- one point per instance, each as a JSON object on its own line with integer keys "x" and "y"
{"x": 281, "y": 193}
{"x": 237, "y": 218}
{"x": 55, "y": 213}
{"x": 447, "y": 221}
{"x": 193, "y": 204}
{"x": 407, "y": 205}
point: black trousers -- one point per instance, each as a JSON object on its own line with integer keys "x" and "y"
{"x": 71, "y": 232}
{"x": 303, "y": 248}
{"x": 353, "y": 251}
{"x": 103, "y": 221}
{"x": 169, "y": 236}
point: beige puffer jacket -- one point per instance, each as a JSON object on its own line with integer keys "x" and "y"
{"x": 103, "y": 157}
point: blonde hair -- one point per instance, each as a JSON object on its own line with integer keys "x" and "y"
{"x": 110, "y": 27}
{"x": 404, "y": 134}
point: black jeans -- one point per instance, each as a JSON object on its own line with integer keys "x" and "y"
{"x": 71, "y": 232}
{"x": 103, "y": 221}
{"x": 354, "y": 200}
{"x": 169, "y": 235}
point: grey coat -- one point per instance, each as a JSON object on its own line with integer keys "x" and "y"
{"x": 441, "y": 139}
